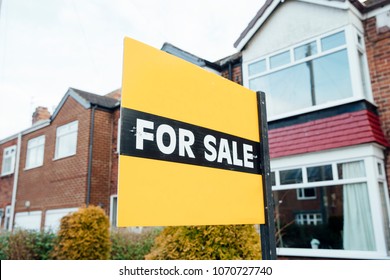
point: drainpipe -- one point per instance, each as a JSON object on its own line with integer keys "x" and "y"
{"x": 91, "y": 134}
{"x": 15, "y": 185}
{"x": 230, "y": 71}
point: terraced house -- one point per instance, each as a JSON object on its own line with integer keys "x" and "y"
{"x": 325, "y": 68}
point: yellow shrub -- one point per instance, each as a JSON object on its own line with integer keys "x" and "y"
{"x": 234, "y": 242}
{"x": 84, "y": 235}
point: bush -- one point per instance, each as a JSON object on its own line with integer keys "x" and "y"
{"x": 26, "y": 245}
{"x": 4, "y": 248}
{"x": 234, "y": 242}
{"x": 131, "y": 246}
{"x": 84, "y": 235}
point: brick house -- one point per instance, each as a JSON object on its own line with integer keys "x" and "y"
{"x": 324, "y": 66}
{"x": 61, "y": 163}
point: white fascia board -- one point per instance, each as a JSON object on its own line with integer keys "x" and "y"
{"x": 9, "y": 138}
{"x": 86, "y": 104}
{"x": 76, "y": 97}
{"x": 334, "y": 4}
{"x": 33, "y": 128}
{"x": 377, "y": 11}
{"x": 37, "y": 126}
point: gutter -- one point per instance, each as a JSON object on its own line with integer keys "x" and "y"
{"x": 89, "y": 175}
{"x": 15, "y": 185}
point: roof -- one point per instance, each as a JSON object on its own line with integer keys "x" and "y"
{"x": 270, "y": 5}
{"x": 346, "y": 129}
{"x": 94, "y": 99}
{"x": 87, "y": 100}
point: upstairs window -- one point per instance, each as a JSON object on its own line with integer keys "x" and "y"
{"x": 66, "y": 140}
{"x": 8, "y": 164}
{"x": 35, "y": 152}
{"x": 317, "y": 72}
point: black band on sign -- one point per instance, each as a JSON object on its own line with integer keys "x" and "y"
{"x": 154, "y": 137}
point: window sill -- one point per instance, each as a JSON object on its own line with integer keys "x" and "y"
{"x": 67, "y": 156}
{"x": 6, "y": 174}
{"x": 326, "y": 253}
{"x": 32, "y": 167}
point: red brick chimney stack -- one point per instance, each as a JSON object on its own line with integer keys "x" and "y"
{"x": 41, "y": 113}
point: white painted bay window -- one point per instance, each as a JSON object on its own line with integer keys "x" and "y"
{"x": 335, "y": 204}
{"x": 66, "y": 140}
{"x": 325, "y": 71}
{"x": 332, "y": 200}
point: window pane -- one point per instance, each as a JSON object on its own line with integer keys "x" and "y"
{"x": 351, "y": 170}
{"x": 66, "y": 140}
{"x": 306, "y": 193}
{"x": 333, "y": 41}
{"x": 292, "y": 176}
{"x": 8, "y": 163}
{"x": 305, "y": 51}
{"x": 331, "y": 221}
{"x": 257, "y": 67}
{"x": 319, "y": 173}
{"x": 331, "y": 78}
{"x": 385, "y": 211}
{"x": 314, "y": 82}
{"x": 287, "y": 90}
{"x": 280, "y": 59}
{"x": 35, "y": 152}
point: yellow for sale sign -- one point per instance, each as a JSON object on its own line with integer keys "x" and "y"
{"x": 189, "y": 145}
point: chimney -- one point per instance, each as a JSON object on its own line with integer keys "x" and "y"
{"x": 41, "y": 113}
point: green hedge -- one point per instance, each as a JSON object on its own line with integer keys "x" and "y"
{"x": 126, "y": 245}
{"x": 26, "y": 245}
{"x": 34, "y": 245}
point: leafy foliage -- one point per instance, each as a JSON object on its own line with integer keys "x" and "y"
{"x": 131, "y": 246}
{"x": 26, "y": 245}
{"x": 84, "y": 235}
{"x": 4, "y": 245}
{"x": 234, "y": 242}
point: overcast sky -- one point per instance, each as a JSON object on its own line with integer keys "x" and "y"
{"x": 47, "y": 46}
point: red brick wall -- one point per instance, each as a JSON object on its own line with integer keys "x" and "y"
{"x": 236, "y": 73}
{"x": 378, "y": 55}
{"x": 6, "y": 182}
{"x": 58, "y": 183}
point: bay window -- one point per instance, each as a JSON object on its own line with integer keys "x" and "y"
{"x": 332, "y": 209}
{"x": 311, "y": 74}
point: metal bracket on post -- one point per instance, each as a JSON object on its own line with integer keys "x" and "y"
{"x": 267, "y": 230}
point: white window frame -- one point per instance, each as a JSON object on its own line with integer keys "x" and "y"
{"x": 301, "y": 194}
{"x": 113, "y": 198}
{"x": 370, "y": 154}
{"x": 60, "y": 134}
{"x": 352, "y": 46}
{"x": 38, "y": 144}
{"x": 11, "y": 156}
{"x": 305, "y": 219}
{"x": 7, "y": 217}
